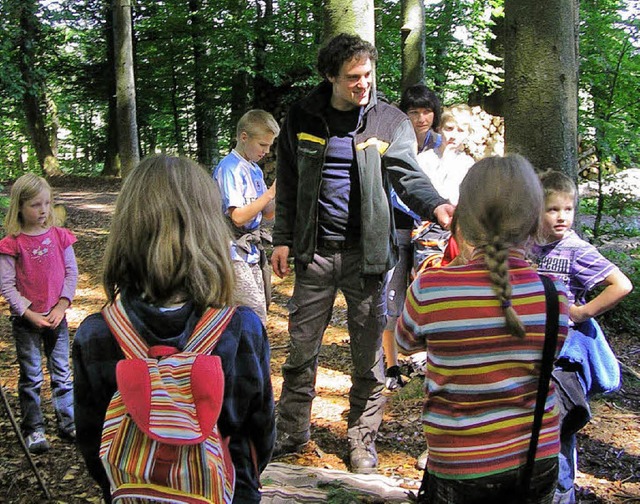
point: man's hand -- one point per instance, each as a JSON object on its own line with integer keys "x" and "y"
{"x": 279, "y": 261}
{"x": 444, "y": 214}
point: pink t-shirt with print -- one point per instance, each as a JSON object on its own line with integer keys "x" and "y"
{"x": 40, "y": 266}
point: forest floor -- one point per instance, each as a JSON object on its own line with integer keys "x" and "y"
{"x": 609, "y": 447}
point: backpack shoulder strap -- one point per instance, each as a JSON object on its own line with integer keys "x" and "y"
{"x": 209, "y": 329}
{"x": 546, "y": 367}
{"x": 122, "y": 329}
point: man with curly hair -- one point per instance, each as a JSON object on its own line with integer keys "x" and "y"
{"x": 340, "y": 151}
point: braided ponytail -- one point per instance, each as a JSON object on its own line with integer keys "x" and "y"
{"x": 500, "y": 207}
{"x": 497, "y": 259}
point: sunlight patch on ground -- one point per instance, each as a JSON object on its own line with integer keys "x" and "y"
{"x": 627, "y": 422}
{"x": 284, "y": 286}
{"x": 90, "y": 232}
{"x": 87, "y": 300}
{"x": 75, "y": 315}
{"x": 329, "y": 410}
{"x": 332, "y": 381}
{"x": 335, "y": 335}
{"x": 332, "y": 400}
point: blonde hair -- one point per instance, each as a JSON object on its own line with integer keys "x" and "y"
{"x": 27, "y": 187}
{"x": 500, "y": 207}
{"x": 459, "y": 114}
{"x": 169, "y": 237}
{"x": 257, "y": 122}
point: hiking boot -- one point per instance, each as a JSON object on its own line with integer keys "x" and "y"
{"x": 37, "y": 442}
{"x": 286, "y": 444}
{"x": 363, "y": 457}
{"x": 393, "y": 379}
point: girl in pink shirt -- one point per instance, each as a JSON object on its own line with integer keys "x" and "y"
{"x": 38, "y": 276}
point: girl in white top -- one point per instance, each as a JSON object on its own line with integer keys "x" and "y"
{"x": 447, "y": 164}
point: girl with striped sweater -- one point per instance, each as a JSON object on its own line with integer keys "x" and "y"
{"x": 483, "y": 326}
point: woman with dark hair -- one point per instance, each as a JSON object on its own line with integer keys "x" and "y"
{"x": 423, "y": 108}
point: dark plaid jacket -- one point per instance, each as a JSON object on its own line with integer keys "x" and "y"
{"x": 248, "y": 408}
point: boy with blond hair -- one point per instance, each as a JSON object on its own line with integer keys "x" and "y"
{"x": 247, "y": 201}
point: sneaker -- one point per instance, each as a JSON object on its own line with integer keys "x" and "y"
{"x": 394, "y": 378}
{"x": 67, "y": 435}
{"x": 418, "y": 362}
{"x": 37, "y": 442}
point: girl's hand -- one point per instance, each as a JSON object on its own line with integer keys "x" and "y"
{"x": 56, "y": 314}
{"x": 37, "y": 320}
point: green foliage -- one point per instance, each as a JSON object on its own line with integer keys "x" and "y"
{"x": 338, "y": 494}
{"x": 624, "y": 317}
{"x": 609, "y": 74}
{"x": 4, "y": 205}
{"x": 456, "y": 50}
{"x": 458, "y": 34}
{"x": 413, "y": 390}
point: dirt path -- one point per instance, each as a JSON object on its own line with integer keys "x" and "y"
{"x": 609, "y": 447}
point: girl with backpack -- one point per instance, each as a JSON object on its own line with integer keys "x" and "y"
{"x": 166, "y": 265}
{"x": 483, "y": 326}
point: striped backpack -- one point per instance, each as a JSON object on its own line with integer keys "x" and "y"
{"x": 160, "y": 440}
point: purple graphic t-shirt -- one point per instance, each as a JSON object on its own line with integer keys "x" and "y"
{"x": 576, "y": 262}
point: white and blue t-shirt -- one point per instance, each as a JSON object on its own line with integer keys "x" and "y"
{"x": 241, "y": 182}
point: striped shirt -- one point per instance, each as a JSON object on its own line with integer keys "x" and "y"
{"x": 481, "y": 381}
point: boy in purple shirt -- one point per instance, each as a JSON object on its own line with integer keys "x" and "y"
{"x": 582, "y": 268}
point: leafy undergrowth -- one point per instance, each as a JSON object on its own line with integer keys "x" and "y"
{"x": 609, "y": 459}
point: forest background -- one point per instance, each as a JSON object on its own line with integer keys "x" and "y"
{"x": 198, "y": 65}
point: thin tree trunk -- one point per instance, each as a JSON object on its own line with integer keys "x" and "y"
{"x": 413, "y": 43}
{"x": 128, "y": 147}
{"x": 206, "y": 125}
{"x": 111, "y": 160}
{"x": 177, "y": 131}
{"x": 34, "y": 99}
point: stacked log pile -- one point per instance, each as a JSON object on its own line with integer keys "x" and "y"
{"x": 487, "y": 135}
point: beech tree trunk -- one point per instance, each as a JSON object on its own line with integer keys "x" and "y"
{"x": 349, "y": 16}
{"x": 541, "y": 82}
{"x": 413, "y": 43}
{"x": 125, "y": 87}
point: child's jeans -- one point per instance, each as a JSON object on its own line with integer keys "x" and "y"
{"x": 567, "y": 461}
{"x": 56, "y": 350}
